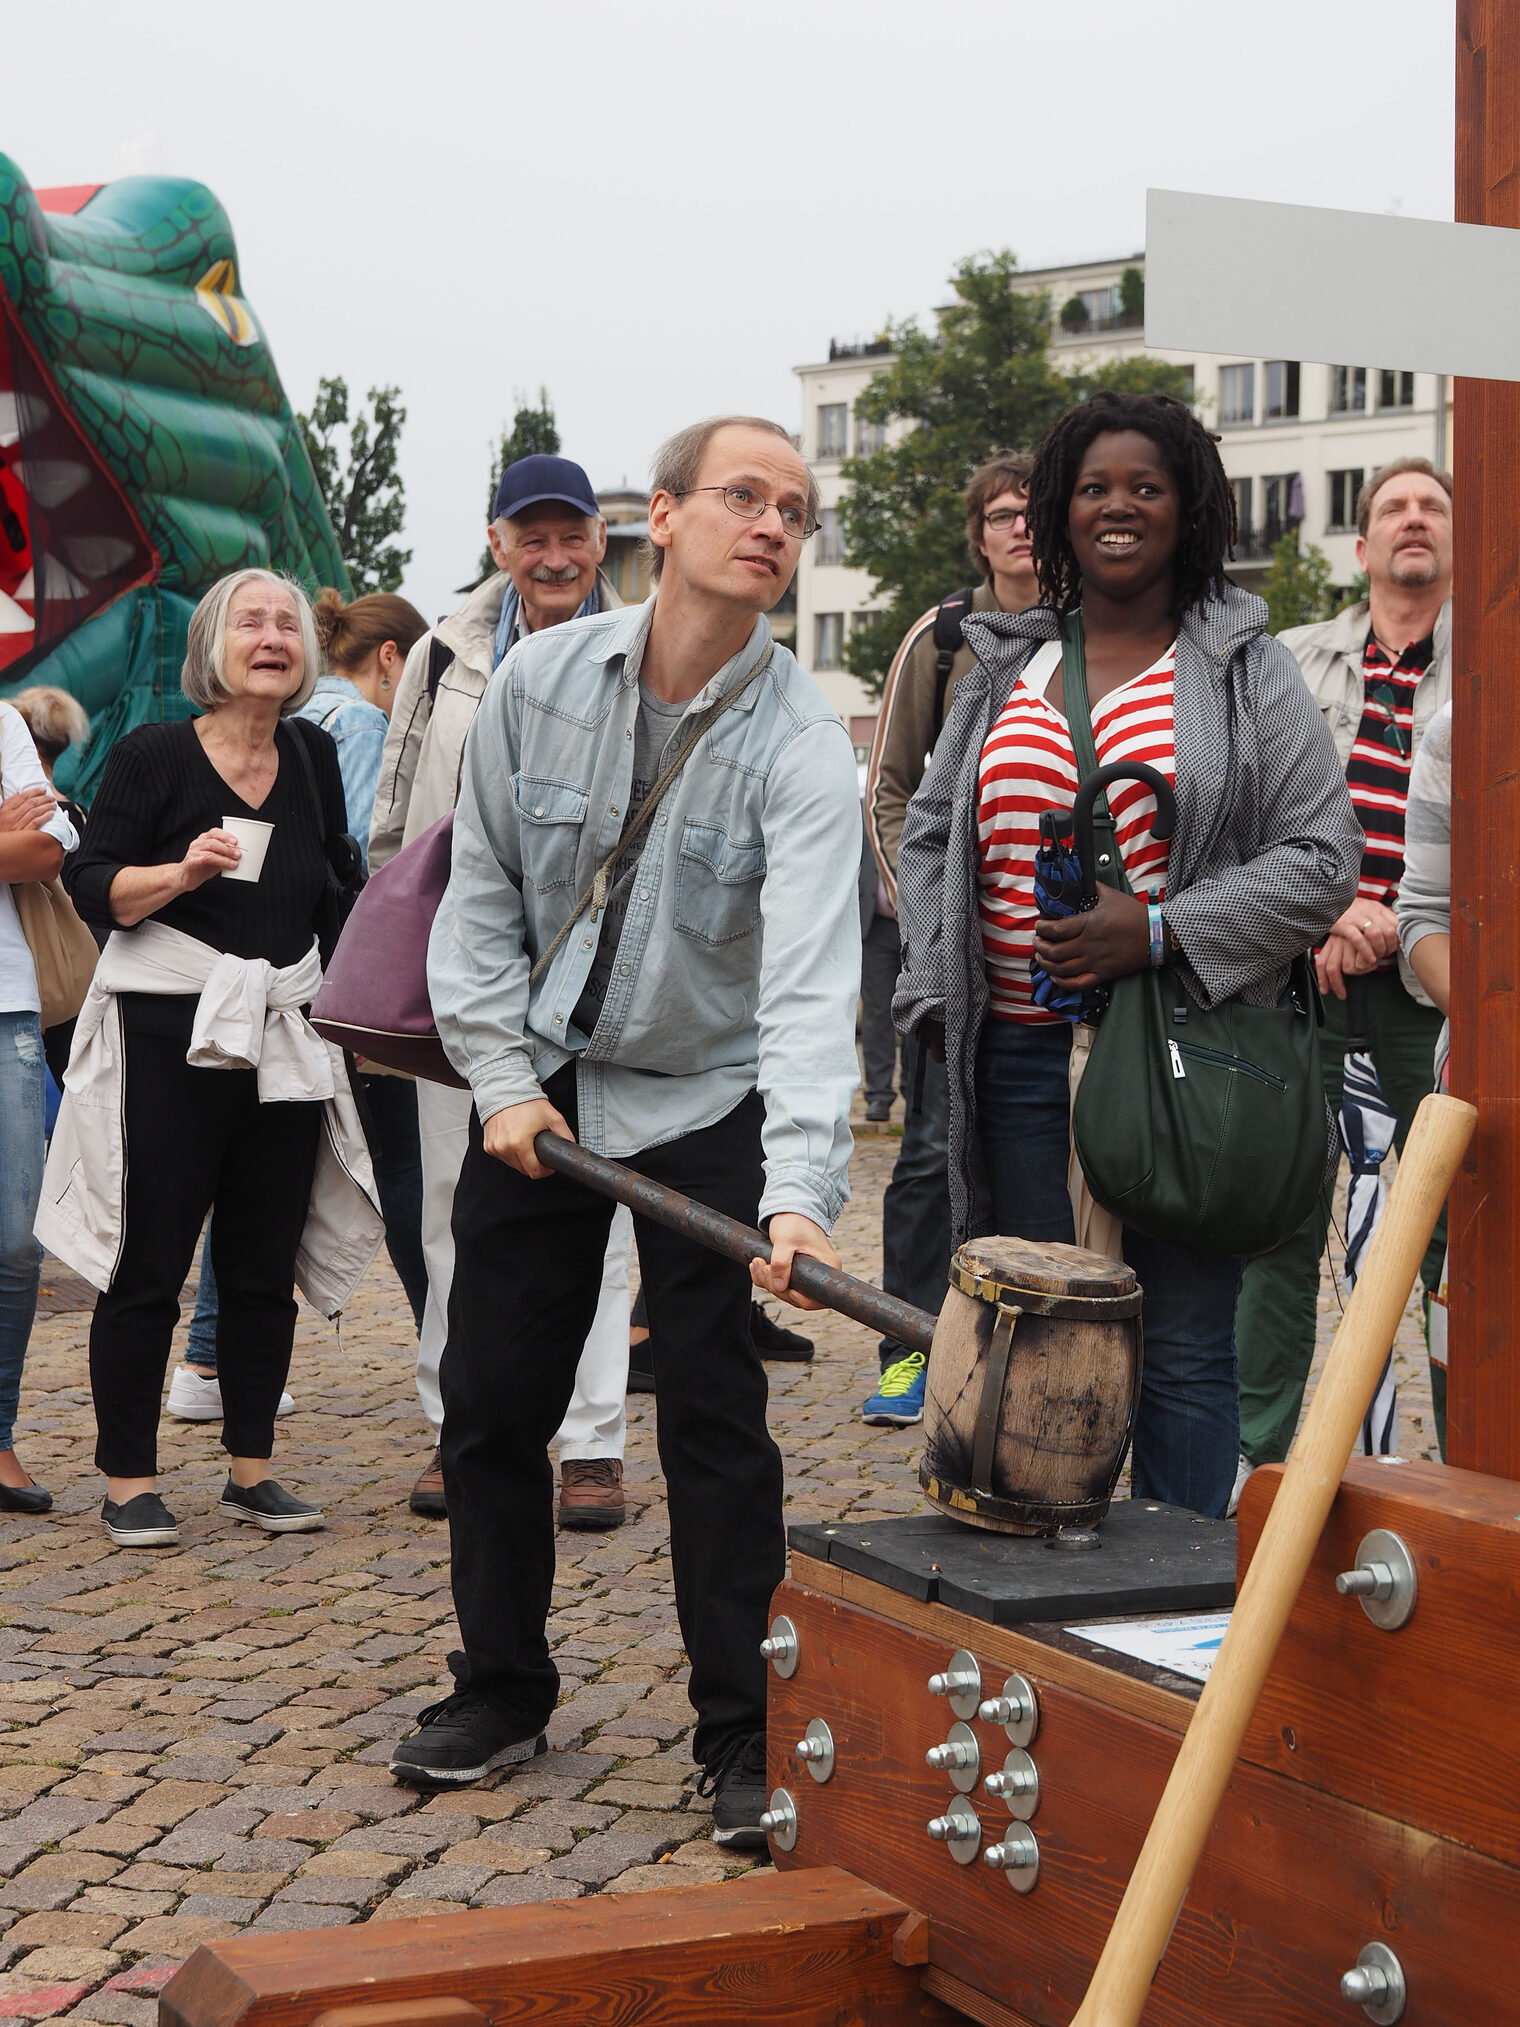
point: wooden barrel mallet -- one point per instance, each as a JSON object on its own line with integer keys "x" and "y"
{"x": 1164, "y": 1871}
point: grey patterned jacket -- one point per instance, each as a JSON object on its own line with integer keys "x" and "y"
{"x": 1265, "y": 855}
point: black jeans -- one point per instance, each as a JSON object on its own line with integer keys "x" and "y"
{"x": 392, "y": 1105}
{"x": 194, "y": 1137}
{"x": 880, "y": 962}
{"x": 915, "y": 1209}
{"x": 527, "y": 1274}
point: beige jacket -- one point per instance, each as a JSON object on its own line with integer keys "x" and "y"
{"x": 1330, "y": 655}
{"x": 423, "y": 760}
{"x": 248, "y": 1016}
{"x": 906, "y": 729}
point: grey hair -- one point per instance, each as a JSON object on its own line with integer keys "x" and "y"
{"x": 678, "y": 465}
{"x": 204, "y": 676}
{"x": 55, "y": 719}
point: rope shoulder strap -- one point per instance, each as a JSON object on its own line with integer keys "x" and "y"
{"x": 595, "y": 895}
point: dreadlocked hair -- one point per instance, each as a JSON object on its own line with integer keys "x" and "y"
{"x": 1205, "y": 509}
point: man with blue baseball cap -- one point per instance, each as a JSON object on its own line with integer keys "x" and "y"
{"x": 548, "y": 538}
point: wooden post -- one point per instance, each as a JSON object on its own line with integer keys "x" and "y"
{"x": 1483, "y": 1398}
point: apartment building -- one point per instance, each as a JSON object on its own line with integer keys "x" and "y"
{"x": 1297, "y": 439}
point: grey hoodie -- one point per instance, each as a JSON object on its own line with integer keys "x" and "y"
{"x": 1265, "y": 855}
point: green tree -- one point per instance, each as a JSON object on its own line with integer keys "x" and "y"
{"x": 354, "y": 458}
{"x": 1132, "y": 293}
{"x": 534, "y": 433}
{"x": 984, "y": 381}
{"x": 1297, "y": 585}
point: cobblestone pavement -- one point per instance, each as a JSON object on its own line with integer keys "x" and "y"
{"x": 193, "y": 1741}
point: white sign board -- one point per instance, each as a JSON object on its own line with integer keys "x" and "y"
{"x": 1292, "y": 281}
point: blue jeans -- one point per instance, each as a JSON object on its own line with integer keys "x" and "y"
{"x": 398, "y": 1176}
{"x": 915, "y": 1211}
{"x": 1187, "y": 1422}
{"x": 22, "y": 1078}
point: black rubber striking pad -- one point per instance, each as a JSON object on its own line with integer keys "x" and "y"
{"x": 1150, "y": 1558}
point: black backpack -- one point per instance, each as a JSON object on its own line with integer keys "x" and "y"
{"x": 948, "y": 642}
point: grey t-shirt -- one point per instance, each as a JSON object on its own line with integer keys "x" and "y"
{"x": 653, "y": 728}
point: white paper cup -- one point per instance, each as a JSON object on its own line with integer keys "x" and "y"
{"x": 254, "y": 838}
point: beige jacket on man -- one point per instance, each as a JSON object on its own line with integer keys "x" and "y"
{"x": 1330, "y": 655}
{"x": 424, "y": 749}
{"x": 906, "y": 730}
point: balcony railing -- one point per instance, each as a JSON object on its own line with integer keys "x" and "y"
{"x": 1122, "y": 320}
{"x": 859, "y": 348}
{"x": 1255, "y": 545}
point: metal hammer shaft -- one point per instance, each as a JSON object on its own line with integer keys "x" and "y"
{"x": 829, "y": 1285}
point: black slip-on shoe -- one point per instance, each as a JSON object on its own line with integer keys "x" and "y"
{"x": 143, "y": 1522}
{"x": 772, "y": 1341}
{"x": 270, "y": 1506}
{"x": 462, "y": 1739}
{"x": 25, "y": 1499}
{"x": 736, "y": 1781}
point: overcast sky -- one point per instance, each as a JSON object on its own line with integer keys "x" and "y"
{"x": 656, "y": 210}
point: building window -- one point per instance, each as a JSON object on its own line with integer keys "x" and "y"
{"x": 833, "y": 423}
{"x": 1348, "y": 390}
{"x": 1344, "y": 487}
{"x": 869, "y": 436}
{"x": 1282, "y": 389}
{"x": 1237, "y": 394}
{"x": 1283, "y": 503}
{"x": 830, "y": 537}
{"x": 1395, "y": 390}
{"x": 1242, "y": 489}
{"x": 828, "y": 639}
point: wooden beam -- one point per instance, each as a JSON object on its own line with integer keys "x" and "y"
{"x": 775, "y": 1948}
{"x": 1483, "y": 1397}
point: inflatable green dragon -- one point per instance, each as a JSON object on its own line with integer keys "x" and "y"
{"x": 146, "y": 445}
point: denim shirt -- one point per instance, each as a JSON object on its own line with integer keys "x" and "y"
{"x": 357, "y": 728}
{"x": 739, "y": 965}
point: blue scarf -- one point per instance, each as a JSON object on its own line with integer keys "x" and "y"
{"x": 506, "y": 626}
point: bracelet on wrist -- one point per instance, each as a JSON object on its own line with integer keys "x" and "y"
{"x": 1158, "y": 934}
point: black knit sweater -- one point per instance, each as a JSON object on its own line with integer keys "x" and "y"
{"x": 160, "y": 791}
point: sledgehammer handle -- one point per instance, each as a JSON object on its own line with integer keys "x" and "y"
{"x": 1153, "y": 1900}
{"x": 829, "y": 1285}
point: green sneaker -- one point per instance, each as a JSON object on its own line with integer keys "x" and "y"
{"x": 899, "y": 1400}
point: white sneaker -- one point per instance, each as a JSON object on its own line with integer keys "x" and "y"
{"x": 1242, "y": 1473}
{"x": 197, "y": 1397}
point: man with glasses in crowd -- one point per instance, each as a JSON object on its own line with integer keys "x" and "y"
{"x": 1380, "y": 671}
{"x": 915, "y": 1212}
{"x": 662, "y": 960}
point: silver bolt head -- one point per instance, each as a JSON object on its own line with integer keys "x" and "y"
{"x": 1363, "y": 1984}
{"x": 996, "y": 1710}
{"x": 941, "y": 1828}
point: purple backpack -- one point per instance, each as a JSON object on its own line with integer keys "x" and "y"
{"x": 374, "y": 996}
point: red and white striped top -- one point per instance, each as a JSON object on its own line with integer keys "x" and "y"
{"x": 1027, "y": 766}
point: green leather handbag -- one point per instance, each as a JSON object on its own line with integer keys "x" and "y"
{"x": 1204, "y": 1126}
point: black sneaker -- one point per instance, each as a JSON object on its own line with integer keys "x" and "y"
{"x": 143, "y": 1522}
{"x": 771, "y": 1341}
{"x": 270, "y": 1506}
{"x": 462, "y": 1739}
{"x": 735, "y": 1778}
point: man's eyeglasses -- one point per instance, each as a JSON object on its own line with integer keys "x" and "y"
{"x": 1004, "y": 517}
{"x": 749, "y": 506}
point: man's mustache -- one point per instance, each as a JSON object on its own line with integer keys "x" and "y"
{"x": 542, "y": 574}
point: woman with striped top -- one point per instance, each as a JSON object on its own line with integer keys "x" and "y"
{"x": 1132, "y": 521}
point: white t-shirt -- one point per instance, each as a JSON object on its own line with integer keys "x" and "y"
{"x": 20, "y": 768}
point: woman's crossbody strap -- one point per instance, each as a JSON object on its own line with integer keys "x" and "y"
{"x": 1110, "y": 866}
{"x": 596, "y": 893}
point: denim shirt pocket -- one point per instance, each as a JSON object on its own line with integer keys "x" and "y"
{"x": 718, "y": 881}
{"x": 552, "y": 814}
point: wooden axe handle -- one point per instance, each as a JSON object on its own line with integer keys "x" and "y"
{"x": 1156, "y": 1891}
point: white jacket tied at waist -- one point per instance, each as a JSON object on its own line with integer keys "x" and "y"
{"x": 247, "y": 1017}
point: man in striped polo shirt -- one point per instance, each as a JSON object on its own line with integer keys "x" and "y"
{"x": 1380, "y": 671}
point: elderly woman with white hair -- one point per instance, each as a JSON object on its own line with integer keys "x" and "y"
{"x": 207, "y": 868}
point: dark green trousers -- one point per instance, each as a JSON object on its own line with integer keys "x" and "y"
{"x": 1278, "y": 1307}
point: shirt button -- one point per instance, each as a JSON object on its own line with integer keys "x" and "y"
{"x": 559, "y": 1020}
{"x": 587, "y": 944}
{"x": 627, "y": 735}
{"x": 538, "y": 810}
{"x": 614, "y": 809}
{"x": 662, "y": 823}
{"x": 625, "y": 969}
{"x": 643, "y": 893}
